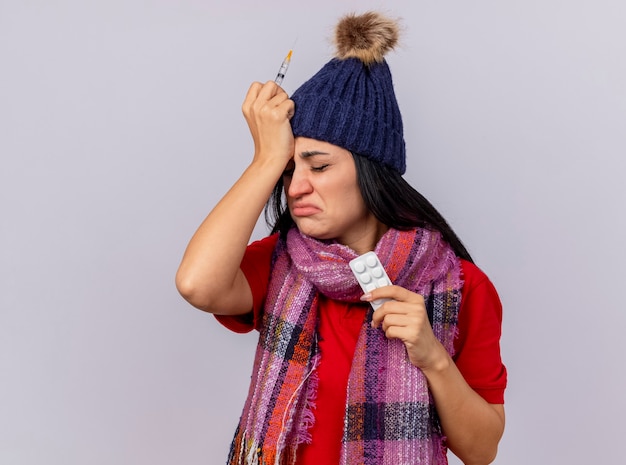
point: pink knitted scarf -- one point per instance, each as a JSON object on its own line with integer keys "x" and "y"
{"x": 390, "y": 417}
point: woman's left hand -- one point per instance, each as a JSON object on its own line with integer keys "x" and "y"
{"x": 405, "y": 318}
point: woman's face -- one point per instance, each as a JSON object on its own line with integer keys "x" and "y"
{"x": 324, "y": 198}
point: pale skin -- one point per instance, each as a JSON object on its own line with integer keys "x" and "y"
{"x": 324, "y": 200}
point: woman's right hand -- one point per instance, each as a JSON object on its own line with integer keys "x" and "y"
{"x": 268, "y": 109}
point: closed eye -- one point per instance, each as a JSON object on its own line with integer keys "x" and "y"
{"x": 319, "y": 168}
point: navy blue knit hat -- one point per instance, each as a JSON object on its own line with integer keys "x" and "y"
{"x": 350, "y": 102}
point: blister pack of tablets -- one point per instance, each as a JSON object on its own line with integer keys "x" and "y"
{"x": 370, "y": 274}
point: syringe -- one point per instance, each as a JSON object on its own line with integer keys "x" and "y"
{"x": 283, "y": 69}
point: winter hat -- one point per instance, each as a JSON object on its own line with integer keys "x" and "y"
{"x": 350, "y": 102}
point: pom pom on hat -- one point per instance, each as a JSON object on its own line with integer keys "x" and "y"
{"x": 351, "y": 102}
{"x": 367, "y": 37}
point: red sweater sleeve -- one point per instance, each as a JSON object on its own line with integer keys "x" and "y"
{"x": 478, "y": 343}
{"x": 256, "y": 267}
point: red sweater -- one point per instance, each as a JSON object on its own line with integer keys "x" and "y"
{"x": 477, "y": 346}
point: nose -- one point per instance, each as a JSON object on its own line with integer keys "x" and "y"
{"x": 298, "y": 184}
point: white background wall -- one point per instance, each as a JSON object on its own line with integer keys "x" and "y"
{"x": 120, "y": 128}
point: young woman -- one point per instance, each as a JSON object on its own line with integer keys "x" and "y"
{"x": 333, "y": 381}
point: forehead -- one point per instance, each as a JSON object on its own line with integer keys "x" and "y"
{"x": 305, "y": 148}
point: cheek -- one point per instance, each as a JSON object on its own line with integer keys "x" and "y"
{"x": 358, "y": 208}
{"x": 352, "y": 195}
{"x": 350, "y": 204}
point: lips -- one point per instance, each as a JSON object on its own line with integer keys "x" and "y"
{"x": 301, "y": 210}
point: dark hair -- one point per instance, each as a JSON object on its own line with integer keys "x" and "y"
{"x": 392, "y": 200}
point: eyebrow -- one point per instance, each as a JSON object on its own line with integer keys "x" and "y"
{"x": 312, "y": 153}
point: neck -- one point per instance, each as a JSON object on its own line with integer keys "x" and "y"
{"x": 365, "y": 240}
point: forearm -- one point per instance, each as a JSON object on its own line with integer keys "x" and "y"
{"x": 473, "y": 427}
{"x": 211, "y": 261}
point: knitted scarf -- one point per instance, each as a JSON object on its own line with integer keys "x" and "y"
{"x": 390, "y": 417}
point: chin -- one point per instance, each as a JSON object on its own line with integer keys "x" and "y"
{"x": 313, "y": 230}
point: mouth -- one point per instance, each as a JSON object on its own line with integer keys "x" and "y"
{"x": 303, "y": 210}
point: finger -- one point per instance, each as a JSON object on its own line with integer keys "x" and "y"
{"x": 290, "y": 108}
{"x": 414, "y": 312}
{"x": 251, "y": 96}
{"x": 269, "y": 96}
{"x": 397, "y": 320}
{"x": 402, "y": 333}
{"x": 393, "y": 292}
{"x": 270, "y": 89}
{"x": 259, "y": 95}
{"x": 269, "y": 112}
{"x": 382, "y": 312}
